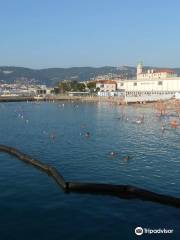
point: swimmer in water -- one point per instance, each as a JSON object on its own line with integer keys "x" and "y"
{"x": 126, "y": 158}
{"x": 163, "y": 127}
{"x": 140, "y": 120}
{"x": 113, "y": 154}
{"x": 87, "y": 134}
{"x": 174, "y": 123}
{"x": 52, "y": 136}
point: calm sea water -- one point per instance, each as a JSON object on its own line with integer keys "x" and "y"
{"x": 33, "y": 207}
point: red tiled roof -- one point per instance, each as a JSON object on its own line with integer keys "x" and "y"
{"x": 165, "y": 71}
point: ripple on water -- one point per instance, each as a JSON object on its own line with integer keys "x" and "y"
{"x": 153, "y": 164}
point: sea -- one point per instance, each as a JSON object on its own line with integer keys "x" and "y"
{"x": 78, "y": 138}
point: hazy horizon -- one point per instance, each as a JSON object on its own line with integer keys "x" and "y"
{"x": 54, "y": 67}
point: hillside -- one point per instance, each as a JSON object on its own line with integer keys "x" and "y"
{"x": 51, "y": 76}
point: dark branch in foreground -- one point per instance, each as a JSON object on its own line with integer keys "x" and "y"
{"x": 122, "y": 191}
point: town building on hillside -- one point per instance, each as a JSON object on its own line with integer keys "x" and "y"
{"x": 112, "y": 76}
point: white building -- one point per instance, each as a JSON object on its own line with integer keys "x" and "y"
{"x": 107, "y": 88}
{"x": 154, "y": 73}
{"x": 106, "y": 85}
{"x": 163, "y": 81}
{"x": 150, "y": 85}
{"x": 153, "y": 85}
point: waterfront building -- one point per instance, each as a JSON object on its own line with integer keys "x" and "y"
{"x": 24, "y": 90}
{"x": 116, "y": 93}
{"x": 150, "y": 85}
{"x": 108, "y": 88}
{"x": 106, "y": 85}
{"x": 80, "y": 94}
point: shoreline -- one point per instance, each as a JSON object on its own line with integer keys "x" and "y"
{"x": 110, "y": 100}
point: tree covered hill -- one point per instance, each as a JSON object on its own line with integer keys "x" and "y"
{"x": 51, "y": 76}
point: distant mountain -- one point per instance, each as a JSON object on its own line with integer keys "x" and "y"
{"x": 51, "y": 76}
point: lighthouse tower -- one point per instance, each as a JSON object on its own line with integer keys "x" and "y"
{"x": 139, "y": 69}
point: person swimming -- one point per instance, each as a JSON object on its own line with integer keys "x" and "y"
{"x": 140, "y": 120}
{"x": 174, "y": 123}
{"x": 126, "y": 158}
{"x": 52, "y": 136}
{"x": 87, "y": 134}
{"x": 113, "y": 154}
{"x": 163, "y": 127}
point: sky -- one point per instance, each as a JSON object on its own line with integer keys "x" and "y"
{"x": 67, "y": 33}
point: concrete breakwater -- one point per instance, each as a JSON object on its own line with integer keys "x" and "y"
{"x": 55, "y": 98}
{"x": 34, "y": 99}
{"x": 92, "y": 99}
{"x": 16, "y": 99}
{"x": 122, "y": 191}
{"x": 59, "y": 97}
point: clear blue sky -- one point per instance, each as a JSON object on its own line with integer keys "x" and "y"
{"x": 65, "y": 33}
